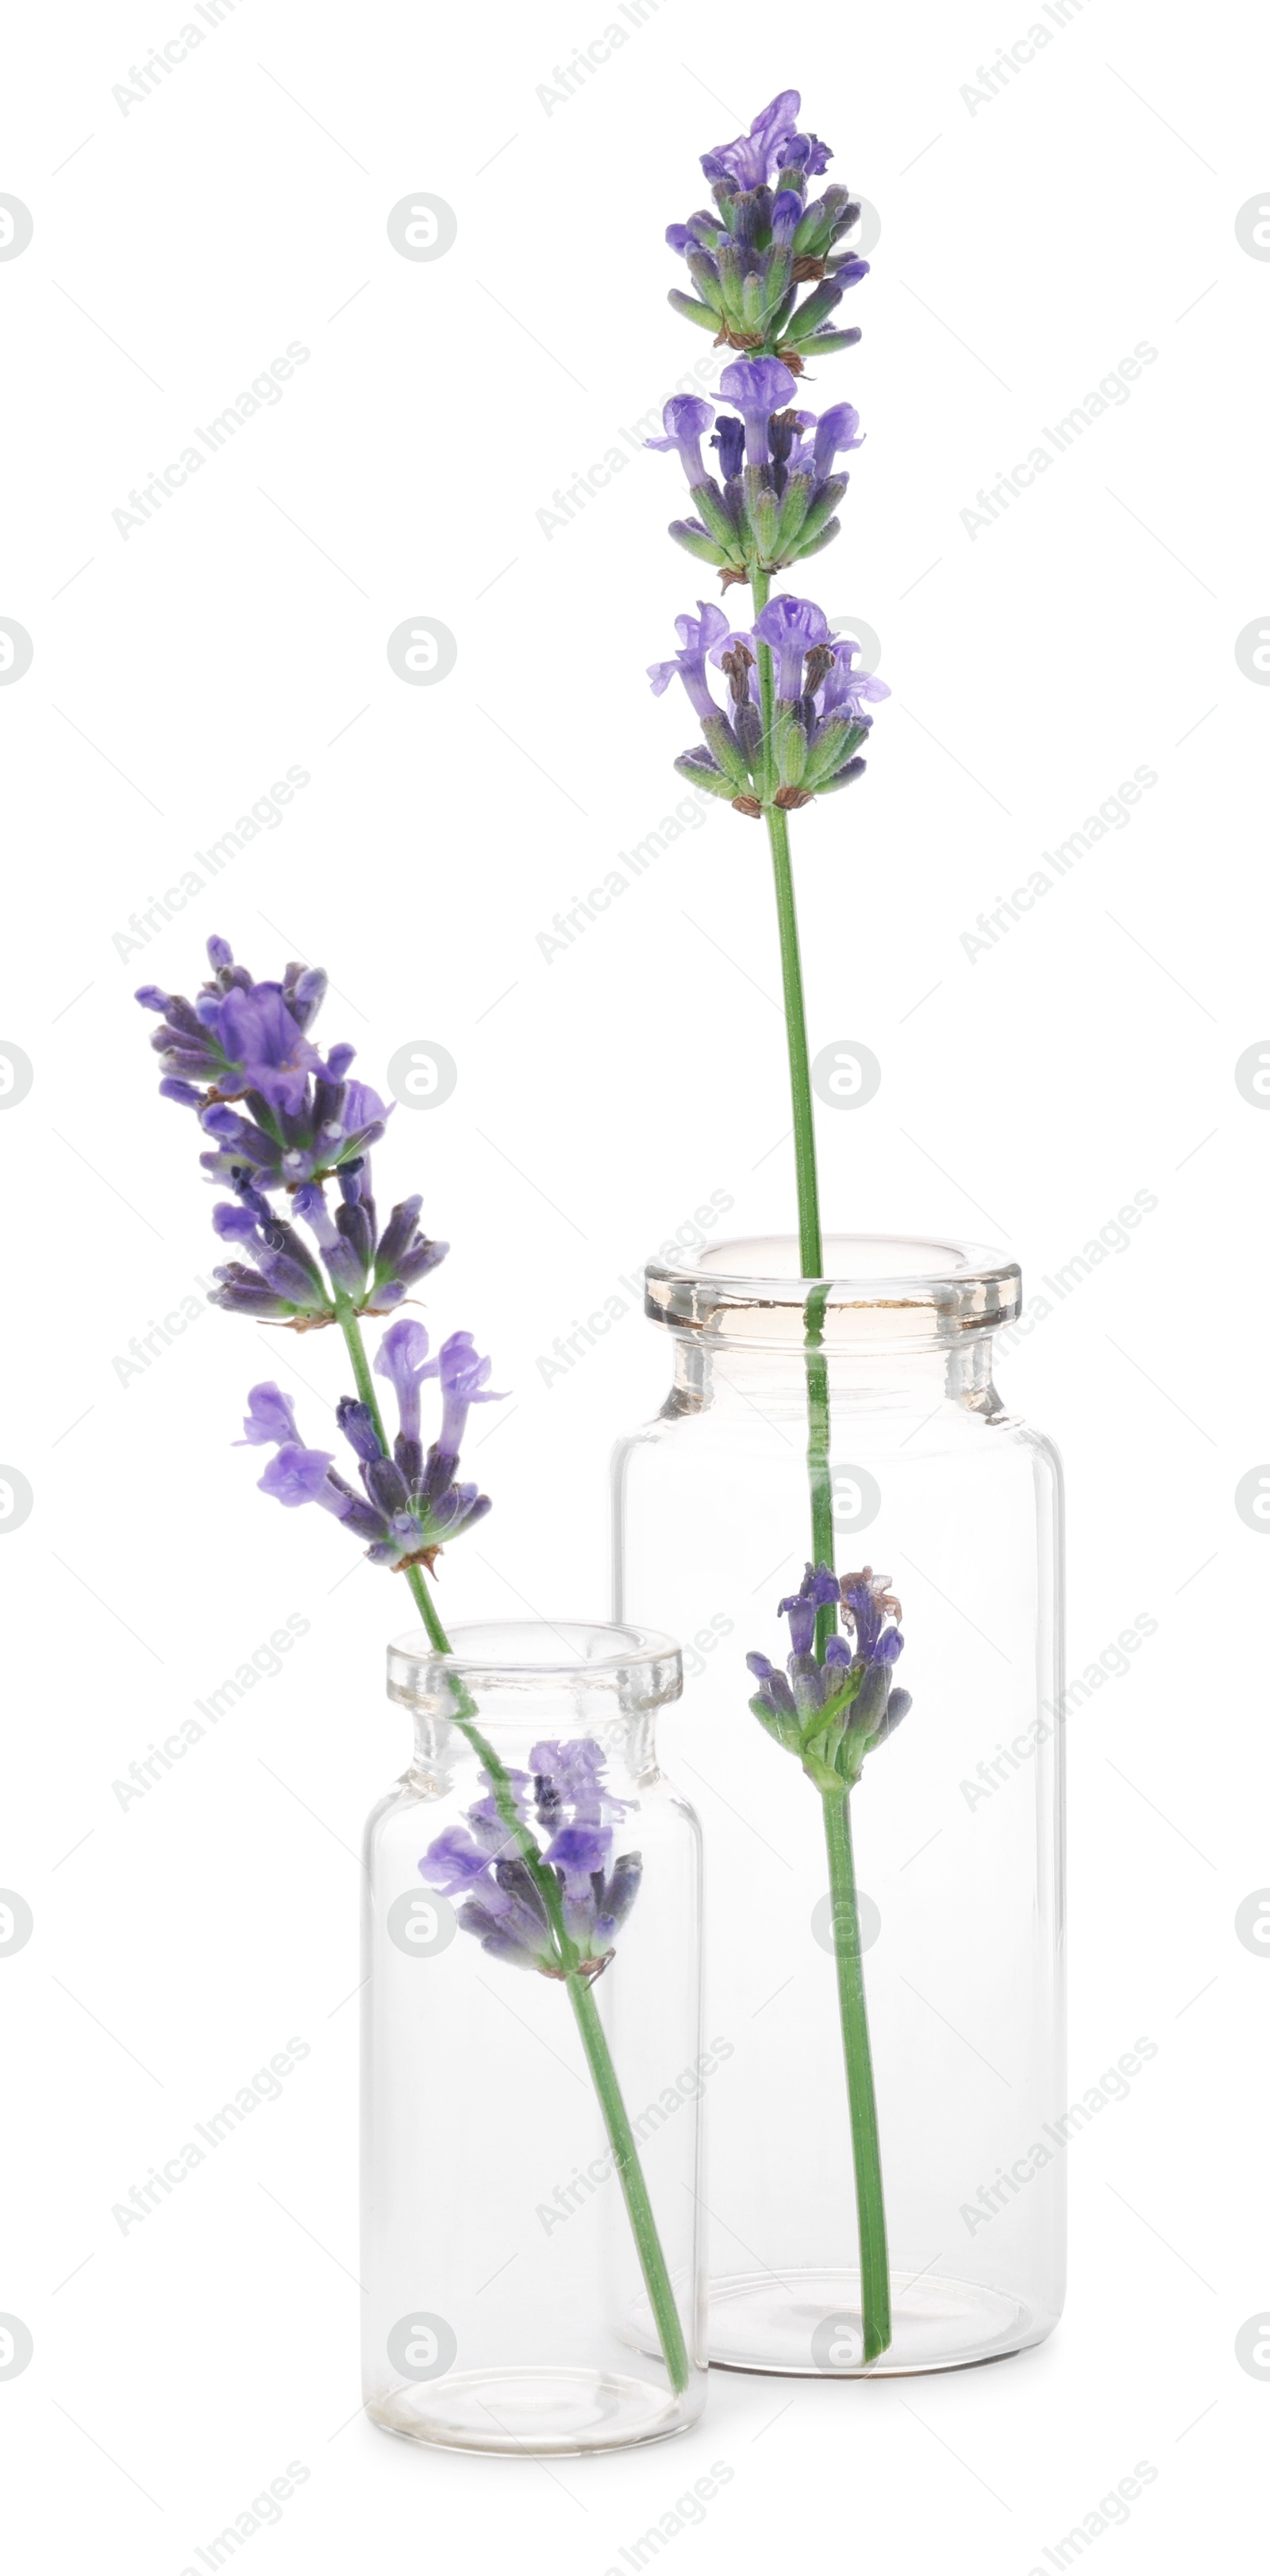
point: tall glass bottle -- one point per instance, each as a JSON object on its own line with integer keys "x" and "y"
{"x": 957, "y": 1817}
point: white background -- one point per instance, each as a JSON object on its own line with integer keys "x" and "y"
{"x": 1028, "y": 243}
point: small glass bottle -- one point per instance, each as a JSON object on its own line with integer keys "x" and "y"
{"x": 533, "y": 2063}
{"x": 957, "y": 1815}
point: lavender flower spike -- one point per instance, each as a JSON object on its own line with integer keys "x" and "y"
{"x": 833, "y": 1708}
{"x": 410, "y": 1505}
{"x": 503, "y": 1906}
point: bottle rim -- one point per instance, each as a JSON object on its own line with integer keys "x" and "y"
{"x": 892, "y": 1287}
{"x": 535, "y": 1655}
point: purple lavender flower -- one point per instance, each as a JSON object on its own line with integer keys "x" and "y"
{"x": 786, "y": 216}
{"x": 281, "y": 1117}
{"x": 831, "y": 1707}
{"x": 779, "y": 490}
{"x": 729, "y": 438}
{"x": 270, "y": 1416}
{"x": 463, "y": 1374}
{"x": 240, "y": 1042}
{"x": 819, "y": 1587}
{"x": 336, "y": 1124}
{"x": 697, "y": 637}
{"x": 685, "y": 419}
{"x": 726, "y": 764}
{"x": 410, "y": 1505}
{"x": 805, "y": 152}
{"x": 792, "y": 628}
{"x": 764, "y": 239}
{"x": 846, "y": 690}
{"x": 836, "y": 435}
{"x": 717, "y": 534}
{"x": 238, "y": 1035}
{"x": 571, "y": 1775}
{"x": 753, "y": 160}
{"x": 758, "y": 387}
{"x": 504, "y": 1907}
{"x": 403, "y": 1358}
{"x": 820, "y": 718}
{"x": 285, "y": 1284}
{"x": 296, "y": 1475}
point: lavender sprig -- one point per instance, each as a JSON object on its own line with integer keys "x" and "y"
{"x": 284, "y": 1120}
{"x": 835, "y": 1703}
{"x": 791, "y": 732}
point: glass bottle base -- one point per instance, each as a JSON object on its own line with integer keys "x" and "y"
{"x": 526, "y": 2411}
{"x": 807, "y": 2324}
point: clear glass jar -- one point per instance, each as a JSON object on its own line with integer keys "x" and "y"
{"x": 957, "y": 1817}
{"x": 533, "y": 2061}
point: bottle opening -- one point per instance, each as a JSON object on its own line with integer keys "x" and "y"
{"x": 506, "y": 1656}
{"x": 875, "y": 1290}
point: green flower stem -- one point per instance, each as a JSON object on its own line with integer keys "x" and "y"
{"x": 760, "y": 590}
{"x": 810, "y": 1247}
{"x": 603, "y": 2072}
{"x": 634, "y": 2188}
{"x": 875, "y": 2282}
{"x": 819, "y": 1477}
{"x": 875, "y": 2277}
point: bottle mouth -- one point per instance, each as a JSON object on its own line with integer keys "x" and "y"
{"x": 877, "y": 1291}
{"x": 504, "y": 1657}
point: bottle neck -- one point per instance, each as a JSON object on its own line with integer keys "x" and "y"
{"x": 507, "y": 1688}
{"x": 719, "y": 1374}
{"x": 447, "y": 1753}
